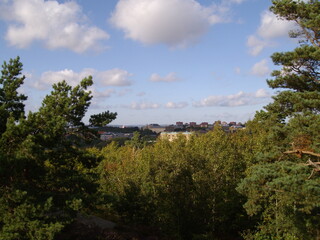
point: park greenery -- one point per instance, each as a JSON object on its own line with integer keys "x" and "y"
{"x": 259, "y": 183}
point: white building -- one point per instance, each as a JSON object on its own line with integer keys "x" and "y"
{"x": 171, "y": 136}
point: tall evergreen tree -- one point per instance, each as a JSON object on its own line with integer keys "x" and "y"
{"x": 44, "y": 178}
{"x": 11, "y": 101}
{"x": 299, "y": 76}
{"x": 295, "y": 109}
{"x": 281, "y": 188}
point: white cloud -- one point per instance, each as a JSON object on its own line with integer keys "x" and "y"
{"x": 51, "y": 77}
{"x": 261, "y": 93}
{"x": 256, "y": 45}
{"x": 171, "y": 77}
{"x": 99, "y": 105}
{"x": 239, "y": 99}
{"x": 214, "y": 19}
{"x": 176, "y": 23}
{"x": 143, "y": 106}
{"x": 222, "y": 11}
{"x": 57, "y": 25}
{"x": 260, "y": 68}
{"x": 113, "y": 77}
{"x": 273, "y": 27}
{"x": 102, "y": 94}
{"x": 270, "y": 28}
{"x": 176, "y": 105}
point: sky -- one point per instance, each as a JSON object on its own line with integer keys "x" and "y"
{"x": 152, "y": 61}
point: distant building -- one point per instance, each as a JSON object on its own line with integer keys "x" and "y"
{"x": 105, "y": 136}
{"x": 204, "y": 125}
{"x": 171, "y": 136}
{"x": 236, "y": 128}
{"x": 170, "y": 128}
{"x": 153, "y": 125}
{"x": 192, "y": 124}
{"x": 232, "y": 124}
{"x": 224, "y": 124}
{"x": 155, "y": 128}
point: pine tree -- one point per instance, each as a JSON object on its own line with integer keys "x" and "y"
{"x": 102, "y": 119}
{"x": 44, "y": 178}
{"x": 282, "y": 189}
{"x": 11, "y": 101}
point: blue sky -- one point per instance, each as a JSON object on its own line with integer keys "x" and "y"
{"x": 152, "y": 61}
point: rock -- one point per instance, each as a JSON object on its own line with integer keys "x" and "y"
{"x": 95, "y": 221}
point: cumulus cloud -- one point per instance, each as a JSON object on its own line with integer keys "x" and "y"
{"x": 171, "y": 77}
{"x": 261, "y": 93}
{"x": 176, "y": 23}
{"x": 143, "y": 106}
{"x": 239, "y": 99}
{"x": 57, "y": 25}
{"x": 102, "y": 94}
{"x": 113, "y": 77}
{"x": 256, "y": 45}
{"x": 260, "y": 68}
{"x": 271, "y": 27}
{"x": 174, "y": 105}
{"x": 50, "y": 77}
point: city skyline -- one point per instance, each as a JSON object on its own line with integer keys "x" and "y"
{"x": 152, "y": 61}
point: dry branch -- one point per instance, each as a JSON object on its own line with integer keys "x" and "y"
{"x": 300, "y": 152}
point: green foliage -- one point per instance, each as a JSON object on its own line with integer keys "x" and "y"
{"x": 136, "y": 141}
{"x": 45, "y": 179}
{"x": 305, "y": 14}
{"x": 185, "y": 187}
{"x": 300, "y": 68}
{"x": 67, "y": 103}
{"x": 300, "y": 74}
{"x": 21, "y": 218}
{"x": 211, "y": 186}
{"x": 11, "y": 102}
{"x": 286, "y": 199}
{"x": 102, "y": 119}
{"x": 280, "y": 189}
{"x": 295, "y": 110}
